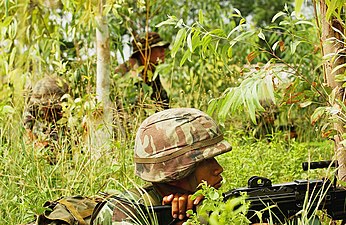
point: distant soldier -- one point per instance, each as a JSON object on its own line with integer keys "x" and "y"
{"x": 44, "y": 110}
{"x": 148, "y": 52}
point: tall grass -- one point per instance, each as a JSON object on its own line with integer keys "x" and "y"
{"x": 27, "y": 179}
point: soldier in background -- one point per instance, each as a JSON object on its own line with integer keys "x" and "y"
{"x": 148, "y": 52}
{"x": 44, "y": 110}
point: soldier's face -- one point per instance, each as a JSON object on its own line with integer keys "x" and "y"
{"x": 157, "y": 55}
{"x": 209, "y": 170}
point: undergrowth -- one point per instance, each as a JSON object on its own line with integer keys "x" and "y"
{"x": 28, "y": 179}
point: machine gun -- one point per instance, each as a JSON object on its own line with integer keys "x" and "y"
{"x": 284, "y": 201}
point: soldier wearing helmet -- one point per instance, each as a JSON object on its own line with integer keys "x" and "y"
{"x": 174, "y": 151}
{"x": 148, "y": 52}
{"x": 44, "y": 110}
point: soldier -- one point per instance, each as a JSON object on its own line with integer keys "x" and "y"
{"x": 44, "y": 110}
{"x": 148, "y": 52}
{"x": 174, "y": 151}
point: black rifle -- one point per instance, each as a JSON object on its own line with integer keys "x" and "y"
{"x": 286, "y": 201}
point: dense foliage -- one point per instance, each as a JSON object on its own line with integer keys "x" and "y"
{"x": 261, "y": 83}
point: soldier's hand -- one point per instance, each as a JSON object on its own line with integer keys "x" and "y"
{"x": 181, "y": 203}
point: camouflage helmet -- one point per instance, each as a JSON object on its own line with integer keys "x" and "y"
{"x": 154, "y": 40}
{"x": 169, "y": 144}
{"x": 48, "y": 91}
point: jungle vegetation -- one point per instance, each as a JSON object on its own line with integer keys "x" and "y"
{"x": 270, "y": 72}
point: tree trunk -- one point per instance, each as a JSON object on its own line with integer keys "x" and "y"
{"x": 101, "y": 131}
{"x": 332, "y": 47}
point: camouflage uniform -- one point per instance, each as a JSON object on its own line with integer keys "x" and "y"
{"x": 116, "y": 212}
{"x": 168, "y": 147}
{"x": 44, "y": 110}
{"x": 159, "y": 94}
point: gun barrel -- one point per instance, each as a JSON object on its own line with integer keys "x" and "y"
{"x": 320, "y": 164}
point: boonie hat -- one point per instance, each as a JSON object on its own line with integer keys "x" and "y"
{"x": 154, "y": 40}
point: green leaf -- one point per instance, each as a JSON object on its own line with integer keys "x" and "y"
{"x": 214, "y": 195}
{"x": 12, "y": 57}
{"x": 318, "y": 113}
{"x": 189, "y": 42}
{"x": 340, "y": 77}
{"x": 205, "y": 43}
{"x": 178, "y": 41}
{"x": 293, "y": 46}
{"x": 277, "y": 15}
{"x": 270, "y": 88}
{"x": 212, "y": 106}
{"x": 218, "y": 32}
{"x": 333, "y": 95}
{"x": 186, "y": 55}
{"x": 237, "y": 11}
{"x": 305, "y": 22}
{"x": 170, "y": 21}
{"x": 196, "y": 41}
{"x": 338, "y": 67}
{"x": 298, "y": 6}
{"x": 229, "y": 52}
{"x": 275, "y": 45}
{"x": 305, "y": 104}
{"x": 331, "y": 9}
{"x": 261, "y": 35}
{"x": 200, "y": 16}
{"x": 7, "y": 110}
{"x": 179, "y": 23}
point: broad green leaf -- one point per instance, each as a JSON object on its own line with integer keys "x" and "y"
{"x": 212, "y": 106}
{"x": 186, "y": 55}
{"x": 206, "y": 43}
{"x": 250, "y": 106}
{"x": 226, "y": 104}
{"x": 196, "y": 41}
{"x": 178, "y": 41}
{"x": 255, "y": 95}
